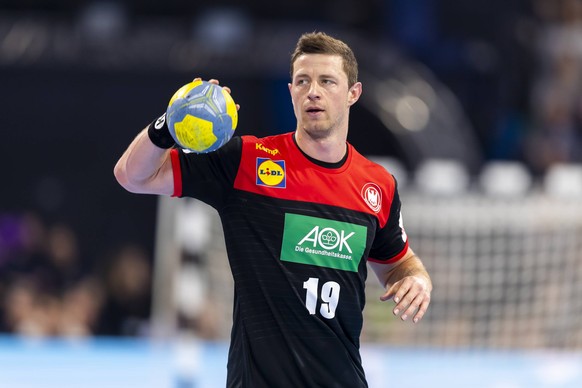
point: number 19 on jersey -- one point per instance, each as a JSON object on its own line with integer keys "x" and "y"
{"x": 329, "y": 298}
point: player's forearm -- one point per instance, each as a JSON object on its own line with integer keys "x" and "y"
{"x": 409, "y": 266}
{"x": 138, "y": 169}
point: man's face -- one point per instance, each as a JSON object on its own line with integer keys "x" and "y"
{"x": 320, "y": 94}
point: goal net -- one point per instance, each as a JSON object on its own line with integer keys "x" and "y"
{"x": 507, "y": 273}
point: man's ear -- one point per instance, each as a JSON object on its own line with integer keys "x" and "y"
{"x": 354, "y": 93}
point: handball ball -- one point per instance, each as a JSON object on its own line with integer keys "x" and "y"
{"x": 201, "y": 116}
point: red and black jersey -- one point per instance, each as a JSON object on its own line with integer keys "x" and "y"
{"x": 298, "y": 235}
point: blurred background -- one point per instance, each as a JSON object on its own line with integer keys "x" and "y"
{"x": 475, "y": 107}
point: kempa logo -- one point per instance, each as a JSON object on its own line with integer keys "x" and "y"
{"x": 323, "y": 242}
{"x": 265, "y": 149}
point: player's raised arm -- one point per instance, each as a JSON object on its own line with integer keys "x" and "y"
{"x": 201, "y": 117}
{"x": 145, "y": 166}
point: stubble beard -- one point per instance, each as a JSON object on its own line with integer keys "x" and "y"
{"x": 317, "y": 131}
{"x": 322, "y": 129}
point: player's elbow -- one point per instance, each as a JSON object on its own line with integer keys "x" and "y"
{"x": 140, "y": 182}
{"x": 120, "y": 174}
{"x": 123, "y": 178}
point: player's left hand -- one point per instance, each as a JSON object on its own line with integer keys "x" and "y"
{"x": 412, "y": 297}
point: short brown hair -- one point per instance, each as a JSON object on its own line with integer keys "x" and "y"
{"x": 321, "y": 43}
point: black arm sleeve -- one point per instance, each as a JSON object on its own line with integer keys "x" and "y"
{"x": 210, "y": 177}
{"x": 391, "y": 239}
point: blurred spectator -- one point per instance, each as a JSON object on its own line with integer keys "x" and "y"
{"x": 81, "y": 308}
{"x": 127, "y": 302}
{"x": 48, "y": 289}
{"x": 20, "y": 309}
{"x": 556, "y": 101}
{"x": 22, "y": 243}
{"x": 63, "y": 267}
{"x": 30, "y": 311}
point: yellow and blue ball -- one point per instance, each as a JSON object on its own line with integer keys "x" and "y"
{"x": 201, "y": 116}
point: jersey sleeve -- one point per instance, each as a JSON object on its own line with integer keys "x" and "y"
{"x": 207, "y": 177}
{"x": 391, "y": 242}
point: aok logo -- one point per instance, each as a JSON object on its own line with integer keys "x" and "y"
{"x": 271, "y": 173}
{"x": 328, "y": 238}
{"x": 323, "y": 242}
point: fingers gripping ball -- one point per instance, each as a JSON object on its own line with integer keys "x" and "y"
{"x": 201, "y": 116}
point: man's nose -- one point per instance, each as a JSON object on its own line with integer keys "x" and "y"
{"x": 313, "y": 91}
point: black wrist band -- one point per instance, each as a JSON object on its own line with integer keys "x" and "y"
{"x": 159, "y": 133}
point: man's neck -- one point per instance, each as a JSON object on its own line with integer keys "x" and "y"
{"x": 328, "y": 150}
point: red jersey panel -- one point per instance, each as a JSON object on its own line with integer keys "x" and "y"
{"x": 274, "y": 166}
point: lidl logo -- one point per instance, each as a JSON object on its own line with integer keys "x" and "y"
{"x": 271, "y": 173}
{"x": 323, "y": 242}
